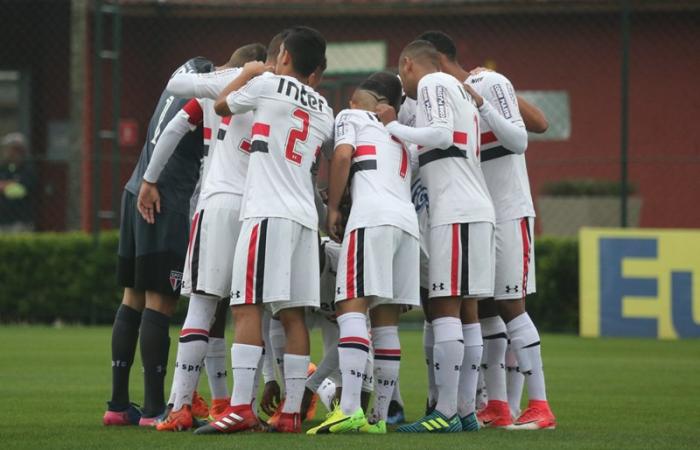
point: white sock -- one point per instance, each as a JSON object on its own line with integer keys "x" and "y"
{"x": 493, "y": 366}
{"x": 353, "y": 347}
{"x": 387, "y": 359}
{"x": 278, "y": 341}
{"x": 295, "y": 369}
{"x": 244, "y": 360}
{"x": 428, "y": 344}
{"x": 396, "y": 396}
{"x": 448, "y": 354}
{"x": 326, "y": 392}
{"x": 215, "y": 363}
{"x": 482, "y": 397}
{"x": 192, "y": 348}
{"x": 469, "y": 376}
{"x": 514, "y": 382}
{"x": 526, "y": 344}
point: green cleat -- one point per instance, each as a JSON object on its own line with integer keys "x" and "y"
{"x": 374, "y": 428}
{"x": 339, "y": 422}
{"x": 470, "y": 423}
{"x": 435, "y": 422}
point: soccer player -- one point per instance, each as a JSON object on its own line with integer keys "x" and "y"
{"x": 207, "y": 277}
{"x": 461, "y": 233}
{"x": 151, "y": 258}
{"x": 276, "y": 259}
{"x": 504, "y": 141}
{"x": 378, "y": 267}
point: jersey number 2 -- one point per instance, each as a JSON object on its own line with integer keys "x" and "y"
{"x": 296, "y": 134}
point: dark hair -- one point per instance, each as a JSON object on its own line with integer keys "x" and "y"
{"x": 273, "y": 49}
{"x": 307, "y": 48}
{"x": 385, "y": 84}
{"x": 200, "y": 64}
{"x": 422, "y": 50}
{"x": 442, "y": 42}
{"x": 247, "y": 53}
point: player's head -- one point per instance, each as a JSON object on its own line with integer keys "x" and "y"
{"x": 442, "y": 42}
{"x": 302, "y": 51}
{"x": 380, "y": 87}
{"x": 247, "y": 53}
{"x": 273, "y": 48}
{"x": 316, "y": 77}
{"x": 417, "y": 59}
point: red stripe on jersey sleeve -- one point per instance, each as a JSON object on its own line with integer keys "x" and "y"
{"x": 459, "y": 138}
{"x": 261, "y": 129}
{"x": 194, "y": 112}
{"x": 488, "y": 137}
{"x": 365, "y": 150}
{"x": 226, "y": 120}
{"x": 207, "y": 133}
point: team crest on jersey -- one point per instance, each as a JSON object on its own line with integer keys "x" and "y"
{"x": 175, "y": 279}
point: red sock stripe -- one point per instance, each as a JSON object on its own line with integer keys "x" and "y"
{"x": 250, "y": 268}
{"x": 524, "y": 225}
{"x": 354, "y": 340}
{"x": 454, "y": 269}
{"x": 350, "y": 270}
{"x": 186, "y": 331}
{"x": 387, "y": 351}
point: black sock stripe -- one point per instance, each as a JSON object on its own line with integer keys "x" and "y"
{"x": 534, "y": 344}
{"x": 497, "y": 336}
{"x": 464, "y": 238}
{"x": 360, "y": 262}
{"x": 387, "y": 357}
{"x": 260, "y": 265}
{"x": 354, "y": 345}
{"x": 194, "y": 268}
{"x": 194, "y": 337}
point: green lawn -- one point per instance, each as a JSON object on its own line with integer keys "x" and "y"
{"x": 620, "y": 393}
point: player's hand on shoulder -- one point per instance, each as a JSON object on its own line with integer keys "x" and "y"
{"x": 478, "y": 70}
{"x": 271, "y": 397}
{"x": 148, "y": 202}
{"x": 478, "y": 99}
{"x": 255, "y": 68}
{"x": 386, "y": 113}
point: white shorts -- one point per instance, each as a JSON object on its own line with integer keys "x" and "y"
{"x": 424, "y": 269}
{"x": 515, "y": 259}
{"x": 276, "y": 262}
{"x": 462, "y": 260}
{"x": 381, "y": 262}
{"x": 214, "y": 232}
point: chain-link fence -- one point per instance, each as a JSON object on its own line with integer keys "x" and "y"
{"x": 79, "y": 80}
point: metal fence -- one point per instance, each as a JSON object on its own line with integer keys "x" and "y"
{"x": 79, "y": 80}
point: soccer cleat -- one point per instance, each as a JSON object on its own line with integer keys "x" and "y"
{"x": 179, "y": 420}
{"x": 235, "y": 418}
{"x": 537, "y": 416}
{"x": 435, "y": 422}
{"x": 311, "y": 411}
{"x": 200, "y": 409}
{"x": 272, "y": 421}
{"x": 218, "y": 407}
{"x": 495, "y": 415}
{"x": 287, "y": 423}
{"x": 396, "y": 414}
{"x": 338, "y": 422}
{"x": 374, "y": 428}
{"x": 470, "y": 423}
{"x": 129, "y": 416}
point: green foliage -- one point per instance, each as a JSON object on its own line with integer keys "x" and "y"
{"x": 585, "y": 187}
{"x": 66, "y": 276}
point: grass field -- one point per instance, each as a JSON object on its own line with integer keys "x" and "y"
{"x": 613, "y": 394}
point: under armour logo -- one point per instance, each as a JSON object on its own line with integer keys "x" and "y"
{"x": 514, "y": 288}
{"x": 238, "y": 294}
{"x": 437, "y": 366}
{"x": 440, "y": 285}
{"x": 337, "y": 291}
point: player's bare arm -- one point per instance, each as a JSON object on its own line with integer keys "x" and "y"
{"x": 338, "y": 179}
{"x": 535, "y": 120}
{"x": 250, "y": 70}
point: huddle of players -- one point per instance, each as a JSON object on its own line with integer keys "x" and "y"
{"x": 272, "y": 131}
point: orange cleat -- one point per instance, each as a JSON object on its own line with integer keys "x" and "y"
{"x": 311, "y": 412}
{"x": 218, "y": 407}
{"x": 200, "y": 409}
{"x": 537, "y": 416}
{"x": 495, "y": 415}
{"x": 235, "y": 419}
{"x": 179, "y": 420}
{"x": 272, "y": 421}
{"x": 287, "y": 423}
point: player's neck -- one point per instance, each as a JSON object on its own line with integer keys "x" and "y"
{"x": 295, "y": 75}
{"x": 456, "y": 71}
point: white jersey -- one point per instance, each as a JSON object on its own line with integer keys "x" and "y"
{"x": 380, "y": 174}
{"x": 505, "y": 172}
{"x": 291, "y": 122}
{"x": 456, "y": 187}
